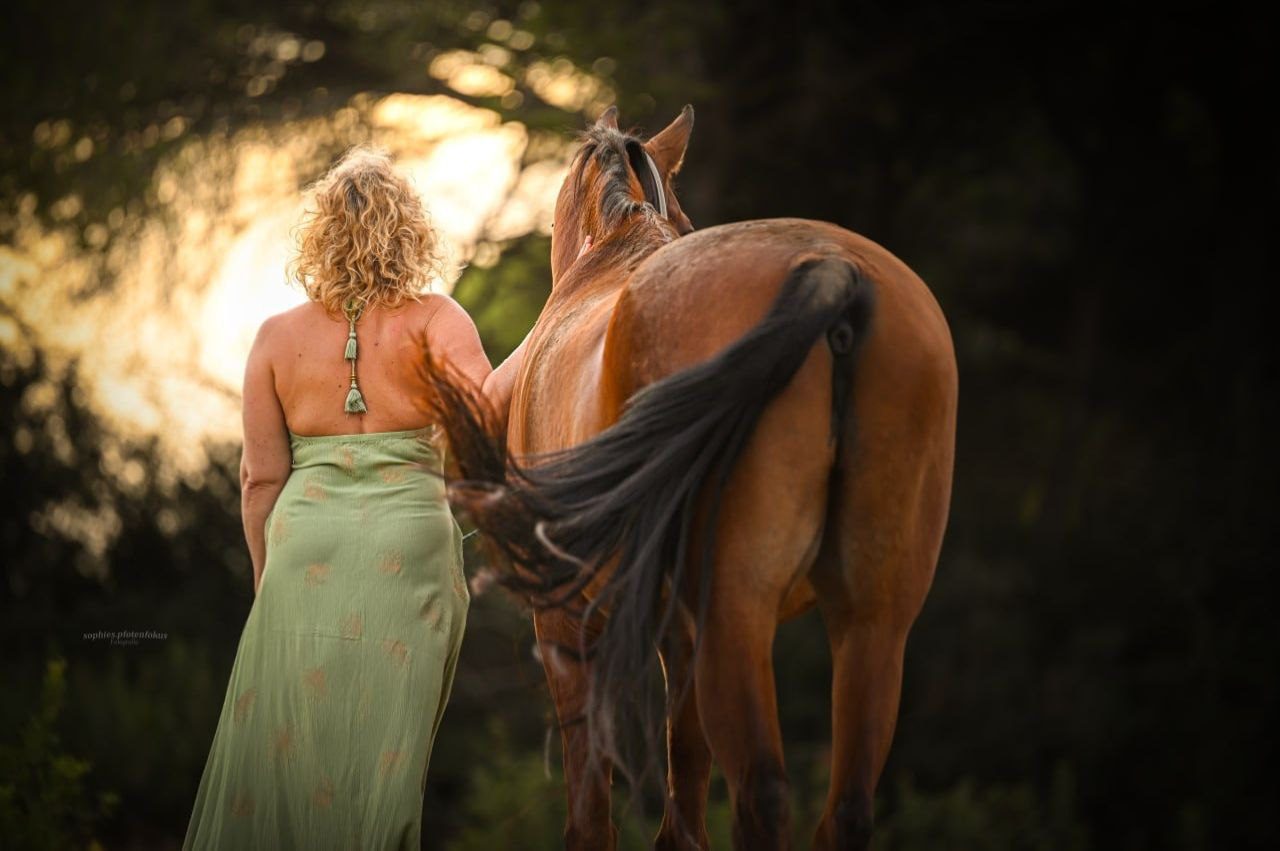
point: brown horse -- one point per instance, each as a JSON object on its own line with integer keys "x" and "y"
{"x": 686, "y": 464}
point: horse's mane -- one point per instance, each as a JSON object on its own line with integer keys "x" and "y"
{"x": 618, "y": 153}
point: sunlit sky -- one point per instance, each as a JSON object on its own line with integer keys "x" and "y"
{"x": 163, "y": 347}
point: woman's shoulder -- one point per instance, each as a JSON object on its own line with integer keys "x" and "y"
{"x": 280, "y": 325}
{"x": 291, "y": 316}
{"x": 447, "y": 314}
{"x": 282, "y": 331}
{"x": 437, "y": 318}
{"x": 431, "y": 310}
{"x": 436, "y": 302}
{"x": 428, "y": 312}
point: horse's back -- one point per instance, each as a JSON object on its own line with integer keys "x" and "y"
{"x": 698, "y": 294}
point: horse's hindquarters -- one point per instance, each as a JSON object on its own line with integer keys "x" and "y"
{"x": 856, "y": 516}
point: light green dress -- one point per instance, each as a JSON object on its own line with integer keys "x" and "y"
{"x": 347, "y": 657}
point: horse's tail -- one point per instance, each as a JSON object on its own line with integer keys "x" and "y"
{"x": 627, "y": 495}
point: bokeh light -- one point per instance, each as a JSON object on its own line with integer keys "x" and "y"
{"x": 161, "y": 306}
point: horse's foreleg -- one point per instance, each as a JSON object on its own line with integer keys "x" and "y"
{"x": 589, "y": 823}
{"x": 688, "y": 757}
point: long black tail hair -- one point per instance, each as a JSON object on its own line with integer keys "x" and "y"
{"x": 626, "y": 496}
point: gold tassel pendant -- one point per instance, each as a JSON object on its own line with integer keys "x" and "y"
{"x": 355, "y": 401}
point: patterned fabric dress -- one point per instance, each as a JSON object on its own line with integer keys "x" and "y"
{"x": 347, "y": 657}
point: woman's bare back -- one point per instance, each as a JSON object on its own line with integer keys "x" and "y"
{"x": 312, "y": 377}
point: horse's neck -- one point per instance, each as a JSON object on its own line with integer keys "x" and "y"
{"x": 603, "y": 275}
{"x": 629, "y": 249}
{"x": 564, "y": 353}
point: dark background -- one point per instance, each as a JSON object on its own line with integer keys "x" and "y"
{"x": 1084, "y": 191}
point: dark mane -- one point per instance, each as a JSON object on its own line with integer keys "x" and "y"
{"x": 616, "y": 153}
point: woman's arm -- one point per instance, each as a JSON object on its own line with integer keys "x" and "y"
{"x": 453, "y": 333}
{"x": 498, "y": 386}
{"x": 266, "y": 460}
{"x": 452, "y": 336}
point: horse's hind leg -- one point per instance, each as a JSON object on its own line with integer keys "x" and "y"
{"x": 767, "y": 538}
{"x": 887, "y": 516}
{"x": 740, "y": 716}
{"x": 688, "y": 757}
{"x": 867, "y": 655}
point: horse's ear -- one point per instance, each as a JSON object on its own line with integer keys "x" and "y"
{"x": 608, "y": 118}
{"x": 667, "y": 148}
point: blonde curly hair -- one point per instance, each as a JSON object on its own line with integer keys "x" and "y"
{"x": 368, "y": 239}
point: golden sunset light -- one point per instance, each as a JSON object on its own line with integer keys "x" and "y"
{"x": 164, "y": 343}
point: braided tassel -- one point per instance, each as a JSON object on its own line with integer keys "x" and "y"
{"x": 355, "y": 401}
{"x": 351, "y": 343}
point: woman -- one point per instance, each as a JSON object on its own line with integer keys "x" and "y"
{"x": 348, "y": 654}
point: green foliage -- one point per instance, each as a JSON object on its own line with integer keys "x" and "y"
{"x": 149, "y": 712}
{"x": 517, "y": 800}
{"x": 511, "y": 801}
{"x": 44, "y": 801}
{"x": 990, "y": 817}
{"x": 505, "y": 300}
